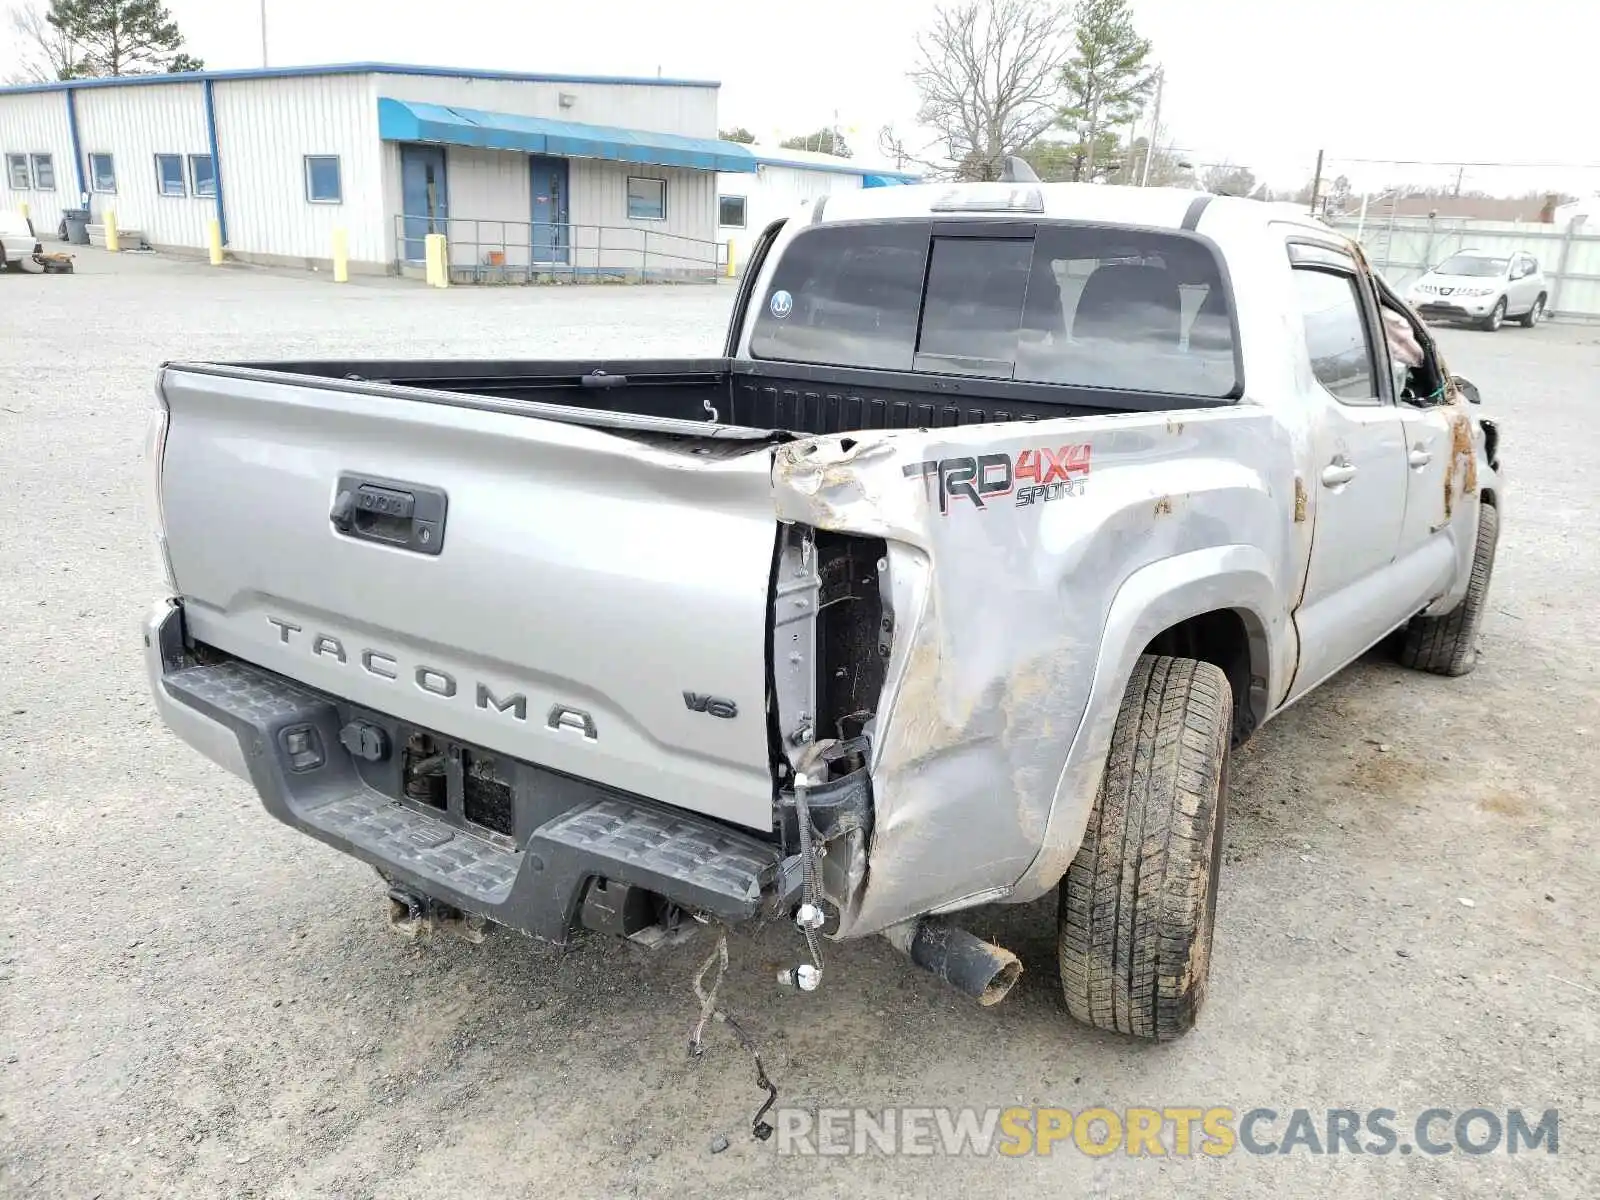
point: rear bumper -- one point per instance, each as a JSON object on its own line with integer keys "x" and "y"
{"x": 567, "y": 832}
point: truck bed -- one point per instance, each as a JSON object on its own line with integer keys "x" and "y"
{"x": 772, "y": 397}
{"x": 567, "y": 562}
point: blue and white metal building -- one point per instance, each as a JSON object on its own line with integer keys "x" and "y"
{"x": 518, "y": 170}
{"x": 788, "y": 180}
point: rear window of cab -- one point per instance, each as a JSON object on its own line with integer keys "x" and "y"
{"x": 1078, "y": 305}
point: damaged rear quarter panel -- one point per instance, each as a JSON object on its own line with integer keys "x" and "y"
{"x": 1001, "y": 613}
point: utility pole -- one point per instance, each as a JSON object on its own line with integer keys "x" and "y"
{"x": 263, "y": 33}
{"x": 1155, "y": 127}
{"x": 1316, "y": 184}
{"x": 1460, "y": 171}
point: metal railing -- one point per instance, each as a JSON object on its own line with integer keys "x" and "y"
{"x": 483, "y": 250}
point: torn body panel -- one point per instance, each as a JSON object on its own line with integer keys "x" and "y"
{"x": 1469, "y": 473}
{"x": 1027, "y": 568}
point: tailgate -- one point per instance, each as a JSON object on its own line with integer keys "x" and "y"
{"x": 590, "y": 603}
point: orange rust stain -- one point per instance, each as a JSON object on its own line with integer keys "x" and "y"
{"x": 1164, "y": 506}
{"x": 1463, "y": 456}
{"x": 1299, "y": 501}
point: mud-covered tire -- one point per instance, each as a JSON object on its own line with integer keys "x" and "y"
{"x": 1140, "y": 899}
{"x": 1448, "y": 645}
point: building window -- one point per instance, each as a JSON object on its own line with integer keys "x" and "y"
{"x": 44, "y": 173}
{"x": 17, "y": 171}
{"x": 730, "y": 212}
{"x": 203, "y": 174}
{"x": 322, "y": 179}
{"x": 647, "y": 199}
{"x": 169, "y": 175}
{"x": 102, "y": 173}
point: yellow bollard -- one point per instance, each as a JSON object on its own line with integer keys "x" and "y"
{"x": 341, "y": 256}
{"x": 113, "y": 244}
{"x": 437, "y": 260}
{"x": 214, "y": 242}
{"x": 733, "y": 271}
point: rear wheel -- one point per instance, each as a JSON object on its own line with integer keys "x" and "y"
{"x": 1534, "y": 315}
{"x": 1448, "y": 645}
{"x": 1497, "y": 316}
{"x": 1140, "y": 899}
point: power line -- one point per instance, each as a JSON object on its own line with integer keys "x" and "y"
{"x": 1440, "y": 162}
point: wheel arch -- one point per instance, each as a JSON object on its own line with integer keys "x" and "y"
{"x": 1221, "y": 591}
{"x": 1235, "y": 640}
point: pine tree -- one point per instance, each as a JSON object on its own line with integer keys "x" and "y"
{"x": 121, "y": 37}
{"x": 1106, "y": 78}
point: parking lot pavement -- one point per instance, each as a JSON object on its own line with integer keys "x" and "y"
{"x": 196, "y": 1001}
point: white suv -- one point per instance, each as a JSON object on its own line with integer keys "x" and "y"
{"x": 1483, "y": 289}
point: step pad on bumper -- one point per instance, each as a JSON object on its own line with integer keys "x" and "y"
{"x": 708, "y": 867}
{"x": 419, "y": 844}
{"x": 693, "y": 861}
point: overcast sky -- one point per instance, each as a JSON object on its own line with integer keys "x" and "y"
{"x": 1262, "y": 83}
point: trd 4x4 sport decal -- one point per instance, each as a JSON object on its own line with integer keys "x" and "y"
{"x": 1035, "y": 477}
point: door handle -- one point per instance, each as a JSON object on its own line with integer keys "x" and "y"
{"x": 1339, "y": 471}
{"x": 1420, "y": 457}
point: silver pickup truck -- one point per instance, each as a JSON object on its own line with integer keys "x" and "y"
{"x": 1008, "y": 510}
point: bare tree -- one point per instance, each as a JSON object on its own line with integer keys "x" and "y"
{"x": 46, "y": 53}
{"x": 989, "y": 73}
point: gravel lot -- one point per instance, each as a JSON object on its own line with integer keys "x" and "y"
{"x": 195, "y": 1001}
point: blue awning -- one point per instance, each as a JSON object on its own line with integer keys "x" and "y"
{"x": 409, "y": 121}
{"x": 888, "y": 180}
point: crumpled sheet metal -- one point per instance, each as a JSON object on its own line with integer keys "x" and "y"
{"x": 1001, "y": 603}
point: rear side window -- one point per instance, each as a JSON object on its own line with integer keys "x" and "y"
{"x": 1084, "y": 306}
{"x": 1127, "y": 309}
{"x": 847, "y": 296}
{"x": 1337, "y": 337}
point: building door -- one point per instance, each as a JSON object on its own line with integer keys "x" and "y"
{"x": 423, "y": 195}
{"x": 551, "y": 234}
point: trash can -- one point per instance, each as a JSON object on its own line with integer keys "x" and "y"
{"x": 77, "y": 223}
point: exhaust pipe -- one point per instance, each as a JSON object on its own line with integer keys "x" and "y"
{"x": 967, "y": 963}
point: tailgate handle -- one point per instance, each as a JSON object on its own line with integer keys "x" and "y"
{"x": 407, "y": 516}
